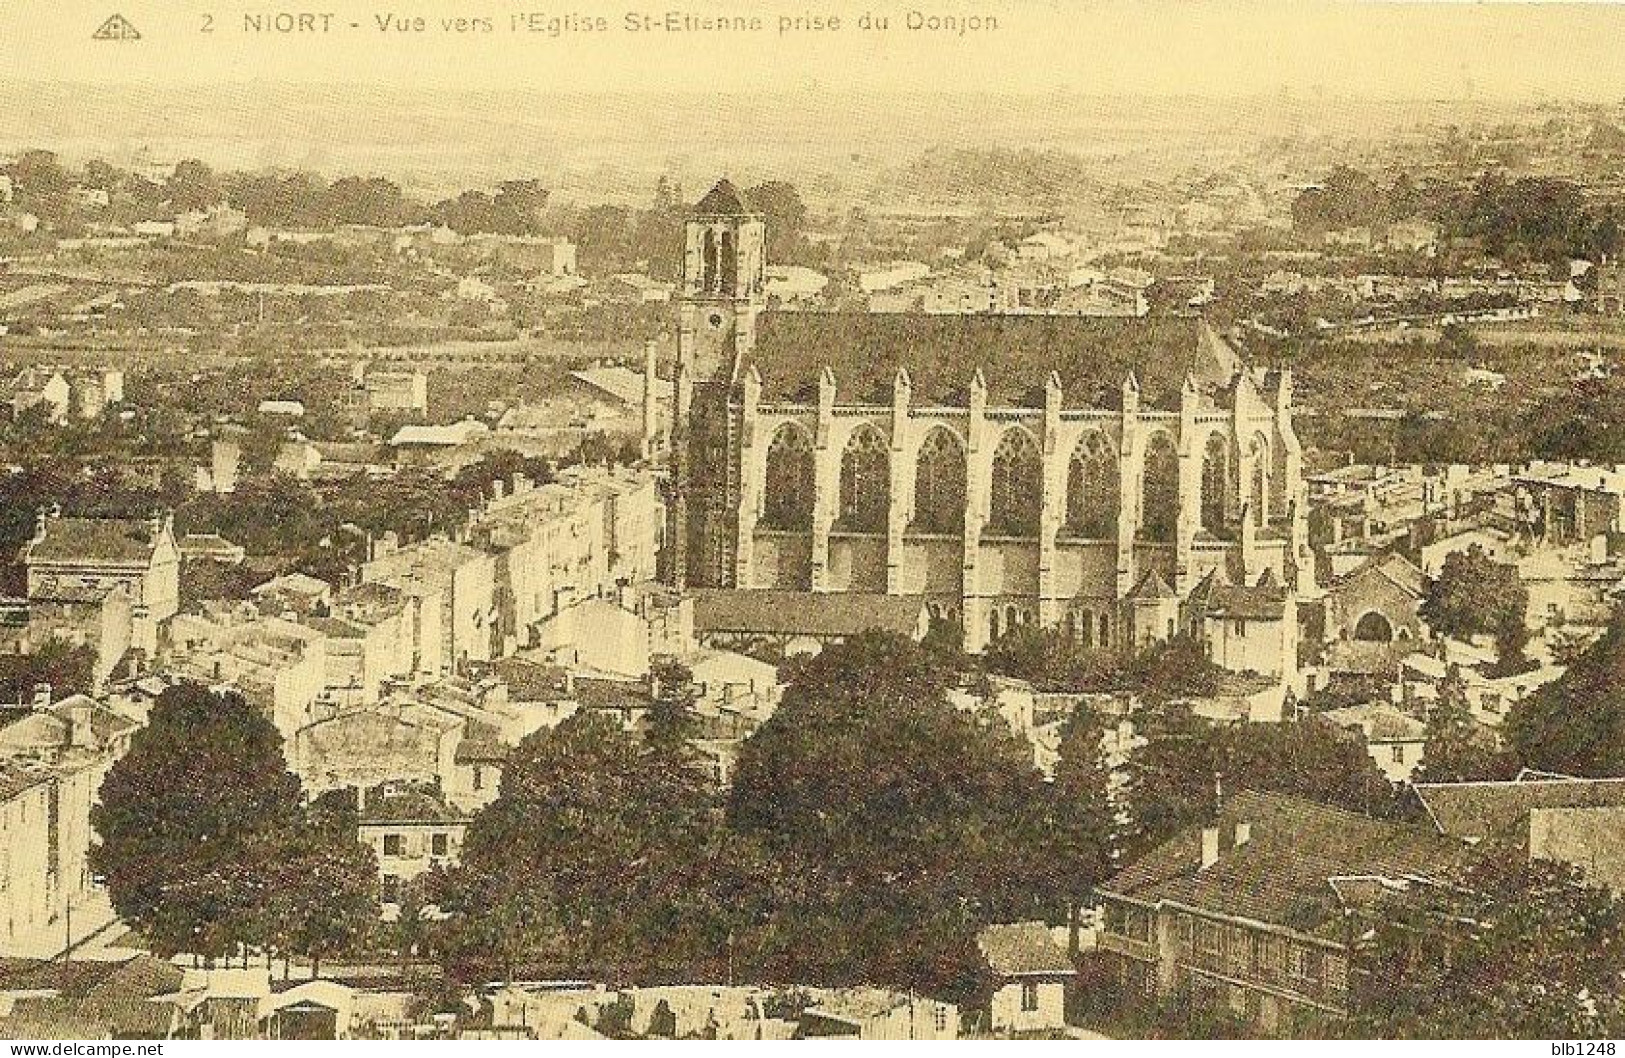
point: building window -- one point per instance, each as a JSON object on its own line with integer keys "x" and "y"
{"x": 1398, "y": 753}
{"x": 479, "y": 777}
{"x": 1029, "y": 996}
{"x": 439, "y": 845}
{"x": 1016, "y": 489}
{"x": 1216, "y": 486}
{"x": 1241, "y": 628}
{"x": 1091, "y": 490}
{"x": 865, "y": 482}
{"x": 394, "y": 845}
{"x": 1159, "y": 491}
{"x": 788, "y": 485}
{"x": 939, "y": 484}
{"x": 1258, "y": 495}
{"x": 939, "y": 1018}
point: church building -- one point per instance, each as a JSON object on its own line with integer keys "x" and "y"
{"x": 1103, "y": 476}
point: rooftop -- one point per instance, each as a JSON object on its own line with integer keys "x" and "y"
{"x": 804, "y": 613}
{"x": 1282, "y": 874}
{"x": 1016, "y": 354}
{"x": 723, "y": 200}
{"x": 1021, "y": 949}
{"x": 1477, "y": 810}
{"x": 113, "y": 540}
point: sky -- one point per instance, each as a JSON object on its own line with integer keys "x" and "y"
{"x": 1220, "y": 48}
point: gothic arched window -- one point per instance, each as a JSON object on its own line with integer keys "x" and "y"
{"x": 1216, "y": 485}
{"x": 865, "y": 482}
{"x": 939, "y": 484}
{"x": 729, "y": 283}
{"x": 788, "y": 485}
{"x": 1016, "y": 489}
{"x": 1159, "y": 491}
{"x": 1258, "y": 492}
{"x": 708, "y": 254}
{"x": 1091, "y": 489}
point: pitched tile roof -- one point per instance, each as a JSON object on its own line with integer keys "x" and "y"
{"x": 723, "y": 200}
{"x": 1016, "y": 354}
{"x": 1264, "y": 601}
{"x": 95, "y": 540}
{"x": 1282, "y": 874}
{"x": 771, "y": 612}
{"x": 1020, "y": 949}
{"x": 1477, "y": 810}
{"x": 410, "y": 806}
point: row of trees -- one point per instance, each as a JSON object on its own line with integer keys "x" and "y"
{"x": 1525, "y": 219}
{"x": 289, "y": 200}
{"x": 871, "y": 829}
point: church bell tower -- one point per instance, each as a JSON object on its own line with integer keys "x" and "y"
{"x": 724, "y": 290}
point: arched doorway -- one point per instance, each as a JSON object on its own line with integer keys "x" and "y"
{"x": 1373, "y": 627}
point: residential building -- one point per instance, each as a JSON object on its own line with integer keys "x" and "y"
{"x": 1030, "y": 974}
{"x": 878, "y": 1014}
{"x": 53, "y": 758}
{"x": 451, "y": 600}
{"x": 1247, "y": 916}
{"x": 278, "y": 665}
{"x": 82, "y": 559}
{"x": 1573, "y": 821}
{"x": 410, "y": 831}
{"x": 1395, "y": 739}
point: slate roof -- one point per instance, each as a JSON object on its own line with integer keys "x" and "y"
{"x": 771, "y": 612}
{"x": 1381, "y": 722}
{"x": 411, "y": 806}
{"x": 1477, "y": 810}
{"x": 530, "y": 681}
{"x": 481, "y": 744}
{"x": 1264, "y": 601}
{"x": 137, "y": 977}
{"x": 1092, "y": 356}
{"x": 723, "y": 200}
{"x": 1282, "y": 874}
{"x": 112, "y": 540}
{"x": 1023, "y": 949}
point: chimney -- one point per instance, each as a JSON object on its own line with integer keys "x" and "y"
{"x": 81, "y": 734}
{"x": 42, "y": 696}
{"x": 1244, "y": 833}
{"x": 569, "y": 683}
{"x": 498, "y": 487}
{"x": 1210, "y": 847}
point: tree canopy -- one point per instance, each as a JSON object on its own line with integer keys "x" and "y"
{"x": 1519, "y": 950}
{"x": 1575, "y": 725}
{"x": 205, "y": 843}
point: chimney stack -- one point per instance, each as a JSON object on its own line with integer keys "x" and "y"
{"x": 1210, "y": 847}
{"x": 1244, "y": 833}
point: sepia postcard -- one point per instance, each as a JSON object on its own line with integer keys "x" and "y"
{"x": 781, "y": 520}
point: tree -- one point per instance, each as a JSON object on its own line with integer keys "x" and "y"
{"x": 1474, "y": 594}
{"x": 192, "y": 186}
{"x": 1456, "y": 749}
{"x": 602, "y": 836}
{"x": 671, "y": 716}
{"x": 1082, "y": 825}
{"x": 1575, "y": 725}
{"x": 323, "y": 893}
{"x": 183, "y": 848}
{"x": 786, "y": 218}
{"x": 1519, "y": 950}
{"x": 1175, "y": 780}
{"x": 907, "y": 822}
{"x": 65, "y": 667}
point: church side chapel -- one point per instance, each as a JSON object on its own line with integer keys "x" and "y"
{"x": 1124, "y": 480}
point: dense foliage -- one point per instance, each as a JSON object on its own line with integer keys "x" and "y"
{"x": 207, "y": 848}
